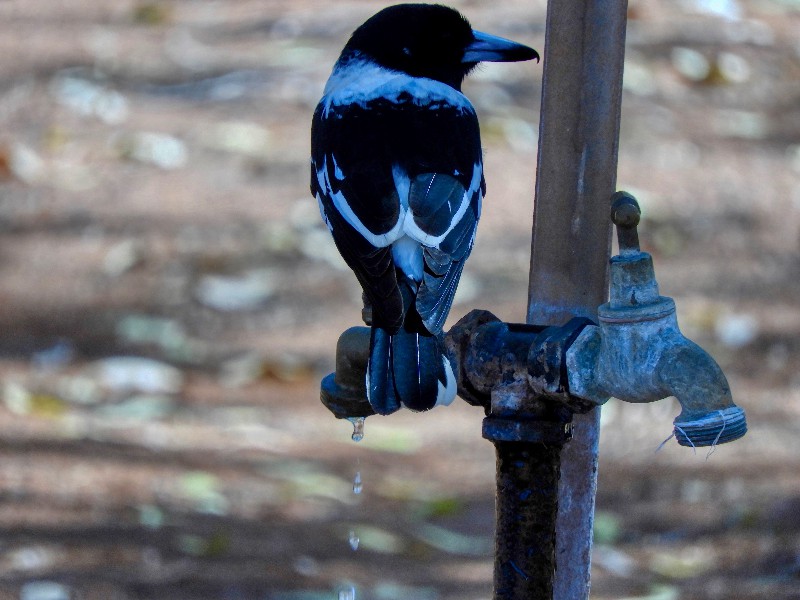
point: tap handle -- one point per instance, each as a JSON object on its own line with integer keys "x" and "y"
{"x": 625, "y": 214}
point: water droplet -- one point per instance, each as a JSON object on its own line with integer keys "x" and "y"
{"x": 354, "y": 541}
{"x": 348, "y": 594}
{"x": 358, "y": 428}
{"x": 358, "y": 486}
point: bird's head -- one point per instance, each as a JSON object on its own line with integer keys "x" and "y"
{"x": 430, "y": 40}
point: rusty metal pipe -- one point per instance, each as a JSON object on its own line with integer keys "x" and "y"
{"x": 526, "y": 507}
{"x": 576, "y": 175}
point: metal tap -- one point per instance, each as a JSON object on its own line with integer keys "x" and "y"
{"x": 637, "y": 353}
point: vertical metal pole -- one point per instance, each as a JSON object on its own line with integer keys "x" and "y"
{"x": 576, "y": 176}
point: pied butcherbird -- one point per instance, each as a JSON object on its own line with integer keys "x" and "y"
{"x": 397, "y": 169}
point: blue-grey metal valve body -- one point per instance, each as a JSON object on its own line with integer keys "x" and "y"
{"x": 637, "y": 353}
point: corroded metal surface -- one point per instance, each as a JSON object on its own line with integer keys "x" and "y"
{"x": 527, "y": 486}
{"x": 576, "y": 176}
{"x": 497, "y": 367}
{"x": 344, "y": 392}
{"x": 457, "y": 342}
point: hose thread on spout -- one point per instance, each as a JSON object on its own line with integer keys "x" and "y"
{"x": 715, "y": 428}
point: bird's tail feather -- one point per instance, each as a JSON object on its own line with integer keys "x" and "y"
{"x": 417, "y": 369}
{"x": 410, "y": 369}
{"x": 380, "y": 379}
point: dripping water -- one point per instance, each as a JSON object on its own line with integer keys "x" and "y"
{"x": 353, "y": 540}
{"x": 358, "y": 428}
{"x": 347, "y": 594}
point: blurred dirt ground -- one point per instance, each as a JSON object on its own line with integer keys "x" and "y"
{"x": 170, "y": 299}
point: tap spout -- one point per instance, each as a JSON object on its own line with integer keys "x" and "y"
{"x": 708, "y": 414}
{"x": 637, "y": 354}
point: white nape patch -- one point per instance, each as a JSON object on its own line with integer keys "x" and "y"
{"x": 407, "y": 255}
{"x": 447, "y": 393}
{"x": 360, "y": 80}
{"x": 379, "y": 240}
{"x": 411, "y": 229}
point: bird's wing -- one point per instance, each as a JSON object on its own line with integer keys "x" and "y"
{"x": 365, "y": 156}
{"x": 361, "y": 241}
{"x": 450, "y": 214}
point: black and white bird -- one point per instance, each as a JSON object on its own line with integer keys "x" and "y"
{"x": 397, "y": 169}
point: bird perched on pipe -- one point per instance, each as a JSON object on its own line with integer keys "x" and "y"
{"x": 397, "y": 169}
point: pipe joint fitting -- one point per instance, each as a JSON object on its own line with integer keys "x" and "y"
{"x": 344, "y": 392}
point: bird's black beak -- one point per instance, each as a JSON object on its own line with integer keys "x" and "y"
{"x": 491, "y": 48}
